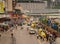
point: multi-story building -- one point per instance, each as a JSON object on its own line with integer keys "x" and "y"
{"x": 31, "y": 4}
{"x": 35, "y": 7}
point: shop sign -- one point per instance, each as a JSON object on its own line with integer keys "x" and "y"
{"x": 1, "y": 7}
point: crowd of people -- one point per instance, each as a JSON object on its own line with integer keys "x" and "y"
{"x": 43, "y": 33}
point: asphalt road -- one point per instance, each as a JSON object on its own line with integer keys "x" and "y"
{"x": 6, "y": 38}
{"x": 20, "y": 37}
{"x": 23, "y": 37}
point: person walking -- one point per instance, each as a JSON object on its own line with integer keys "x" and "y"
{"x": 0, "y": 34}
{"x": 47, "y": 35}
{"x": 12, "y": 32}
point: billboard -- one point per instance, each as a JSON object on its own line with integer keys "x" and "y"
{"x": 1, "y": 7}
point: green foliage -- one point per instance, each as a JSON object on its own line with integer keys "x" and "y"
{"x": 43, "y": 19}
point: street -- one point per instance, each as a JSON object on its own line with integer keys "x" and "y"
{"x": 20, "y": 37}
{"x": 23, "y": 37}
{"x": 29, "y": 22}
{"x": 6, "y": 38}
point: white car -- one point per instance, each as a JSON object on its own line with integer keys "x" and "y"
{"x": 31, "y": 31}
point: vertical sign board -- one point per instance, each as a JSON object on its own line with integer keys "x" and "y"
{"x": 1, "y": 7}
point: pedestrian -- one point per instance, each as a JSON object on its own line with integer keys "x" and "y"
{"x": 16, "y": 26}
{"x": 0, "y": 35}
{"x": 11, "y": 34}
{"x": 47, "y": 35}
{"x": 54, "y": 36}
{"x": 12, "y": 31}
{"x": 51, "y": 38}
{"x": 49, "y": 22}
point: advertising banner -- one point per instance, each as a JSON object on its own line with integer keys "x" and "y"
{"x": 1, "y": 7}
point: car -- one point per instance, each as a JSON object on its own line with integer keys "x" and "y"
{"x": 32, "y": 31}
